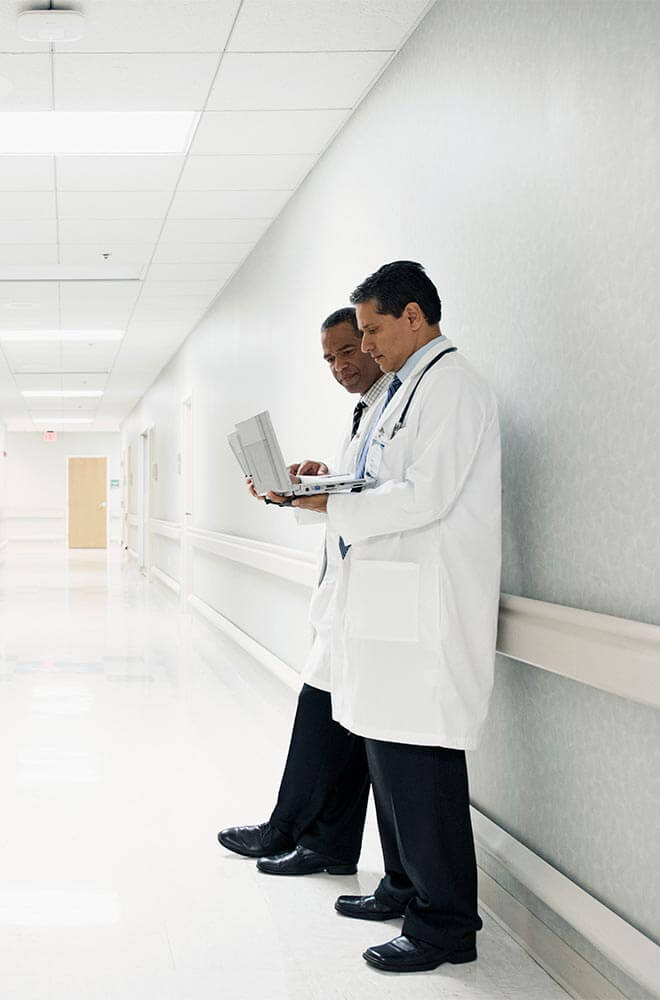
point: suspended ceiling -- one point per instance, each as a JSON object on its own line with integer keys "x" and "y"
{"x": 272, "y": 81}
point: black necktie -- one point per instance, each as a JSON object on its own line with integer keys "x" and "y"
{"x": 360, "y": 407}
{"x": 357, "y": 417}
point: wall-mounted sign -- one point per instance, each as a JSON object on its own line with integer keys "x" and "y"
{"x": 114, "y": 484}
{"x": 50, "y": 435}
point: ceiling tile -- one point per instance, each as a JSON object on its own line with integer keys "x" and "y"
{"x": 311, "y": 25}
{"x": 97, "y": 304}
{"x": 109, "y": 231}
{"x": 29, "y": 253}
{"x": 293, "y": 80}
{"x": 92, "y": 253}
{"x": 266, "y": 131}
{"x": 85, "y": 380}
{"x": 133, "y": 82}
{"x": 27, "y": 205}
{"x": 28, "y": 305}
{"x": 155, "y": 26}
{"x": 191, "y": 272}
{"x": 83, "y": 357}
{"x": 92, "y": 291}
{"x": 72, "y": 407}
{"x": 45, "y": 381}
{"x": 28, "y": 293}
{"x": 161, "y": 291}
{"x": 111, "y": 204}
{"x": 33, "y": 357}
{"x": 201, "y": 253}
{"x": 27, "y": 173}
{"x": 184, "y": 311}
{"x": 215, "y": 230}
{"x": 228, "y": 204}
{"x": 115, "y": 173}
{"x": 29, "y": 231}
{"x": 30, "y": 79}
{"x": 239, "y": 173}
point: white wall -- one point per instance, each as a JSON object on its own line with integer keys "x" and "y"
{"x": 3, "y": 486}
{"x": 512, "y": 147}
{"x": 37, "y": 481}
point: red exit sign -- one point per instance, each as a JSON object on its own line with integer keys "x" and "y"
{"x": 50, "y": 435}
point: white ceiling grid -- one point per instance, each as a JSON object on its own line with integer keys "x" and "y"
{"x": 272, "y": 82}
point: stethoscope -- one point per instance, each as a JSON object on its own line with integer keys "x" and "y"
{"x": 404, "y": 413}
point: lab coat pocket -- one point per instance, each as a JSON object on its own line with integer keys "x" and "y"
{"x": 383, "y": 601}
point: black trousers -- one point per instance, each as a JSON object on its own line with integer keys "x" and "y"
{"x": 423, "y": 810}
{"x": 322, "y": 800}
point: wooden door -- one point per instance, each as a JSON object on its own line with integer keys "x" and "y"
{"x": 88, "y": 521}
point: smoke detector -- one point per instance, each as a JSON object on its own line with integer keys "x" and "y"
{"x": 51, "y": 25}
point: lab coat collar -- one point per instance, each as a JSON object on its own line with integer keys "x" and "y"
{"x": 444, "y": 343}
{"x": 399, "y": 399}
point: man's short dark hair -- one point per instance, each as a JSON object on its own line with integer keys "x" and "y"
{"x": 346, "y": 315}
{"x": 394, "y": 285}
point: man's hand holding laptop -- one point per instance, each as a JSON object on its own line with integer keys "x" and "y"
{"x": 306, "y": 468}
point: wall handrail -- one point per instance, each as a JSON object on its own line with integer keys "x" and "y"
{"x": 613, "y": 654}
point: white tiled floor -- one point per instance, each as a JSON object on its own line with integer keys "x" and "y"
{"x": 123, "y": 749}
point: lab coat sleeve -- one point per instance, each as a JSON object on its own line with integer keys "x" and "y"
{"x": 304, "y": 518}
{"x": 452, "y": 419}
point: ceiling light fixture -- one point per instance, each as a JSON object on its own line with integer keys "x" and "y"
{"x": 80, "y": 133}
{"x": 62, "y": 393}
{"x": 43, "y": 335}
{"x": 51, "y": 25}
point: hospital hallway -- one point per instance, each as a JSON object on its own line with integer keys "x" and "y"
{"x": 128, "y": 737}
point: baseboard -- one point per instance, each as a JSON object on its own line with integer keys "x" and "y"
{"x": 573, "y": 973}
{"x": 273, "y": 663}
{"x": 37, "y": 538}
{"x": 166, "y": 580}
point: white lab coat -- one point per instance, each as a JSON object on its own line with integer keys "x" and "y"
{"x": 316, "y": 669}
{"x": 414, "y": 619}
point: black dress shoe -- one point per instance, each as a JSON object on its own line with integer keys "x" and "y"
{"x": 405, "y": 954}
{"x": 302, "y": 861}
{"x": 366, "y": 908}
{"x": 254, "y": 841}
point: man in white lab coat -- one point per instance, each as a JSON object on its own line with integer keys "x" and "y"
{"x": 415, "y": 616}
{"x": 318, "y": 821}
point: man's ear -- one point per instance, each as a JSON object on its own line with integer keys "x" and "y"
{"x": 414, "y": 316}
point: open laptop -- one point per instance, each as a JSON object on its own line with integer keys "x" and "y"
{"x": 258, "y": 453}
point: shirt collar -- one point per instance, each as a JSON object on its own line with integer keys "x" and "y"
{"x": 415, "y": 358}
{"x": 376, "y": 390}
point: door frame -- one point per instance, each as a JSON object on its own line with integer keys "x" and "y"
{"x": 107, "y": 497}
{"x": 144, "y": 497}
{"x": 187, "y": 497}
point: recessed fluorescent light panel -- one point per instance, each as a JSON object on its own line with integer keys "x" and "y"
{"x": 63, "y": 420}
{"x": 62, "y": 393}
{"x": 79, "y": 133}
{"x": 42, "y": 335}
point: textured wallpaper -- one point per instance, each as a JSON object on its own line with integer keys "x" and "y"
{"x": 572, "y": 772}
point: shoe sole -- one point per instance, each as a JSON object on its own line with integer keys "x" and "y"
{"x": 368, "y": 916}
{"x": 330, "y": 870}
{"x": 455, "y": 958}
